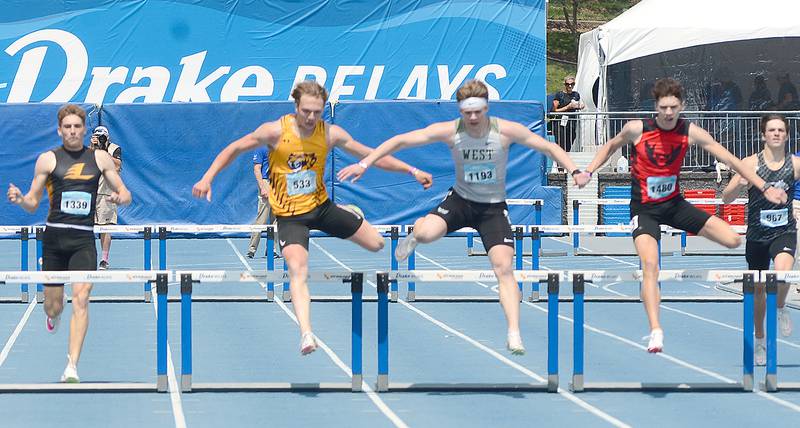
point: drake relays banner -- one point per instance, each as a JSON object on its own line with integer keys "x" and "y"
{"x": 153, "y": 51}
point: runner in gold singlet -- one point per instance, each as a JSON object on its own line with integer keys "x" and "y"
{"x": 298, "y": 146}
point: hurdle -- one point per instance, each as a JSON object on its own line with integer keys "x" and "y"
{"x": 772, "y": 280}
{"x": 411, "y": 293}
{"x": 161, "y": 279}
{"x": 383, "y": 384}
{"x": 23, "y": 233}
{"x": 146, "y": 232}
{"x": 580, "y": 278}
{"x": 189, "y": 278}
{"x": 537, "y": 219}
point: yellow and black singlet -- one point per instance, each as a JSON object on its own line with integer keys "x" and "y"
{"x": 296, "y": 169}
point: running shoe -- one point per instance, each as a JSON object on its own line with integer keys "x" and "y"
{"x": 514, "y": 344}
{"x": 70, "y": 374}
{"x": 103, "y": 265}
{"x": 353, "y": 209}
{"x": 761, "y": 352}
{"x": 784, "y": 322}
{"x": 307, "y": 343}
{"x": 51, "y": 324}
{"x": 251, "y": 254}
{"x": 405, "y": 247}
{"x": 656, "y": 343}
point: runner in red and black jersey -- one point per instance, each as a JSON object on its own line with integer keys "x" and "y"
{"x": 659, "y": 148}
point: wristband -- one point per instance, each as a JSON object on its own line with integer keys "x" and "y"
{"x": 766, "y": 186}
{"x": 362, "y": 164}
{"x": 413, "y": 171}
{"x": 575, "y": 172}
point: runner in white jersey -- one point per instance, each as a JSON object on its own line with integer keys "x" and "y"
{"x": 479, "y": 145}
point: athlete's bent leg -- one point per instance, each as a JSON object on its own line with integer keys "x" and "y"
{"x": 79, "y": 322}
{"x": 368, "y": 237}
{"x": 720, "y": 232}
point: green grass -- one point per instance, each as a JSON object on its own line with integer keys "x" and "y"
{"x": 562, "y": 45}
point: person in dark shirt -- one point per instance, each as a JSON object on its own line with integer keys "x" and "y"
{"x": 71, "y": 174}
{"x": 566, "y": 101}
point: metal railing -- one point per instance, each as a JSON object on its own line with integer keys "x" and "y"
{"x": 737, "y": 131}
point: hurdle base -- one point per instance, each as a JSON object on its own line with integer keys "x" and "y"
{"x": 468, "y": 387}
{"x": 40, "y": 297}
{"x": 356, "y": 383}
{"x": 85, "y": 387}
{"x": 577, "y": 383}
{"x": 186, "y": 383}
{"x": 771, "y": 384}
{"x": 161, "y": 383}
{"x": 273, "y": 387}
{"x": 411, "y": 296}
{"x": 24, "y": 297}
{"x": 617, "y": 254}
{"x": 660, "y": 387}
{"x": 534, "y": 297}
{"x": 382, "y": 385}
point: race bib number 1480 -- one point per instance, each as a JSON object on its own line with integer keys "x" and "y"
{"x": 661, "y": 187}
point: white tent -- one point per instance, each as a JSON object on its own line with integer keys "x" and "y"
{"x": 657, "y": 26}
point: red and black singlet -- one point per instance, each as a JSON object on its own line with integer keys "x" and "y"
{"x": 656, "y": 162}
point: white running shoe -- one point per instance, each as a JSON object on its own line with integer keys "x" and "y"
{"x": 307, "y": 343}
{"x": 784, "y": 322}
{"x": 70, "y": 374}
{"x": 514, "y": 344}
{"x": 761, "y": 352}
{"x": 405, "y": 247}
{"x": 656, "y": 343}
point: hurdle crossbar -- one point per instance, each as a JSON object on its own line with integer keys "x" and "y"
{"x": 161, "y": 278}
{"x": 189, "y": 278}
{"x": 549, "y": 384}
{"x": 579, "y": 280}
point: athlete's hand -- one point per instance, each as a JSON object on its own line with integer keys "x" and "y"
{"x": 775, "y": 195}
{"x": 582, "y": 179}
{"x": 202, "y": 189}
{"x": 14, "y": 194}
{"x": 424, "y": 178}
{"x": 354, "y": 172}
{"x": 120, "y": 198}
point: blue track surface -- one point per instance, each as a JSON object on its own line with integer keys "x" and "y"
{"x": 429, "y": 342}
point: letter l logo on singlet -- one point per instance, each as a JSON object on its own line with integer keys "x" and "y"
{"x": 75, "y": 172}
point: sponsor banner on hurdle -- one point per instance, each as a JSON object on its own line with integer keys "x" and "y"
{"x": 467, "y": 275}
{"x": 262, "y": 276}
{"x": 604, "y": 276}
{"x": 127, "y": 228}
{"x": 214, "y": 228}
{"x": 787, "y": 276}
{"x": 58, "y": 277}
{"x": 10, "y": 230}
{"x": 694, "y": 201}
{"x": 387, "y": 228}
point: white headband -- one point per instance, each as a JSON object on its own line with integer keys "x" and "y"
{"x": 472, "y": 103}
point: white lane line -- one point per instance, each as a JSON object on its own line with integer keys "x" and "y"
{"x": 379, "y": 403}
{"x": 174, "y": 390}
{"x": 564, "y": 393}
{"x": 11, "y": 340}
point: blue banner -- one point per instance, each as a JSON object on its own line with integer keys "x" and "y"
{"x": 151, "y": 51}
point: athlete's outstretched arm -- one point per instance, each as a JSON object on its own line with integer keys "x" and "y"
{"x": 522, "y": 135}
{"x": 704, "y": 140}
{"x": 630, "y": 133}
{"x": 733, "y": 188}
{"x": 441, "y": 131}
{"x": 108, "y": 167}
{"x": 45, "y": 164}
{"x": 266, "y": 134}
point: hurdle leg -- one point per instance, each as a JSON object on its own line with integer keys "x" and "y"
{"x": 148, "y": 254}
{"x": 578, "y": 289}
{"x": 518, "y": 236}
{"x": 383, "y": 332}
{"x": 162, "y": 248}
{"x": 576, "y": 220}
{"x": 470, "y": 243}
{"x": 39, "y": 287}
{"x": 552, "y": 332}
{"x": 186, "y": 332}
{"x": 394, "y": 238}
{"x": 286, "y": 294}
{"x": 162, "y": 284}
{"x": 356, "y": 341}
{"x": 771, "y": 380}
{"x": 536, "y": 248}
{"x": 270, "y": 261}
{"x": 747, "y": 332}
{"x": 23, "y": 262}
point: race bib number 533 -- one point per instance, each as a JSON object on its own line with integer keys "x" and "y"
{"x": 301, "y": 182}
